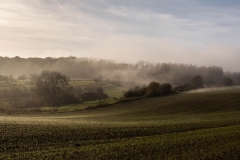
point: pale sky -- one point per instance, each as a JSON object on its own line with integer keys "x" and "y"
{"x": 198, "y": 32}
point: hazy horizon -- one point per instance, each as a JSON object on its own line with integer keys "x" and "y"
{"x": 192, "y": 32}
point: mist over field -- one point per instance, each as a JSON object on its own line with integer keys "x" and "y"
{"x": 194, "y": 32}
{"x": 128, "y": 79}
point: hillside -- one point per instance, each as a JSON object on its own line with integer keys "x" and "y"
{"x": 200, "y": 124}
{"x": 211, "y": 101}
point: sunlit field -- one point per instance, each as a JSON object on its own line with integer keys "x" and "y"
{"x": 201, "y": 124}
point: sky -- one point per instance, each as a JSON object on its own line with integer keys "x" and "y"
{"x": 198, "y": 32}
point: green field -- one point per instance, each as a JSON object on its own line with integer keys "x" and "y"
{"x": 201, "y": 124}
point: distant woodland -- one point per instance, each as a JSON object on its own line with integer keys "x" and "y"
{"x": 138, "y": 73}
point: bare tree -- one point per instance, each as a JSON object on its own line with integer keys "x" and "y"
{"x": 50, "y": 84}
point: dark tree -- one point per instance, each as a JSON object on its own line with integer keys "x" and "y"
{"x": 166, "y": 88}
{"x": 129, "y": 94}
{"x": 196, "y": 82}
{"x": 93, "y": 93}
{"x": 153, "y": 89}
{"x": 227, "y": 81}
{"x": 89, "y": 96}
{"x": 50, "y": 84}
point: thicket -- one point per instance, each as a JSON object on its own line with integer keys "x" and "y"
{"x": 92, "y": 93}
{"x": 156, "y": 89}
{"x": 152, "y": 90}
{"x": 195, "y": 83}
{"x": 227, "y": 81}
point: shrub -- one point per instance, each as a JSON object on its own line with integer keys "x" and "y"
{"x": 166, "y": 88}
{"x": 153, "y": 89}
{"x": 196, "y": 82}
{"x": 88, "y": 96}
{"x": 227, "y": 81}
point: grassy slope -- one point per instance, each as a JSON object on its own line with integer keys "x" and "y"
{"x": 202, "y": 124}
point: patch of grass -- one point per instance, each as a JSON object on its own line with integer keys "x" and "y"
{"x": 115, "y": 91}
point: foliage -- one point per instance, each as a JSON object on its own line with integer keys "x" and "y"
{"x": 227, "y": 81}
{"x": 152, "y": 90}
{"x": 235, "y": 77}
{"x": 93, "y": 93}
{"x": 195, "y": 83}
{"x": 65, "y": 97}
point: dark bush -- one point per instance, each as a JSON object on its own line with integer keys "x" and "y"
{"x": 153, "y": 89}
{"x": 196, "y": 82}
{"x": 91, "y": 93}
{"x": 227, "y": 81}
{"x": 166, "y": 88}
{"x": 88, "y": 96}
{"x": 179, "y": 89}
{"x": 102, "y": 96}
{"x": 65, "y": 98}
{"x": 142, "y": 91}
{"x": 135, "y": 92}
{"x": 129, "y": 93}
{"x": 32, "y": 104}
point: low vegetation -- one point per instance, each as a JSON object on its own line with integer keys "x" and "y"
{"x": 195, "y": 83}
{"x": 152, "y": 90}
{"x": 227, "y": 81}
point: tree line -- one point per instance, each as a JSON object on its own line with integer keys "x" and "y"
{"x": 140, "y": 72}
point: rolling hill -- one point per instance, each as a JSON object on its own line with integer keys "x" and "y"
{"x": 200, "y": 124}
